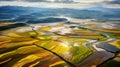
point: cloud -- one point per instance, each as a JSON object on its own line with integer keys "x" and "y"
{"x": 63, "y": 3}
{"x": 35, "y": 0}
{"x": 46, "y": 4}
{"x": 113, "y": 2}
{"x": 70, "y": 1}
{"x": 88, "y": 1}
{"x": 58, "y": 1}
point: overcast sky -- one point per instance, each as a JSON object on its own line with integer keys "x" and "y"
{"x": 63, "y": 3}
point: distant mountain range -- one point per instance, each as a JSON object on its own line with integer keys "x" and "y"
{"x": 26, "y": 14}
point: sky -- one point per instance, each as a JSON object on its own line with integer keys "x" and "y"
{"x": 81, "y": 4}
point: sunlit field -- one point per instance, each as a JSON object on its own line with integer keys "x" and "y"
{"x": 53, "y": 46}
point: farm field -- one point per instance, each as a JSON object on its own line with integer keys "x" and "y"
{"x": 57, "y": 45}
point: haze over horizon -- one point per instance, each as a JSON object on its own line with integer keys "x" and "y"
{"x": 77, "y": 4}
